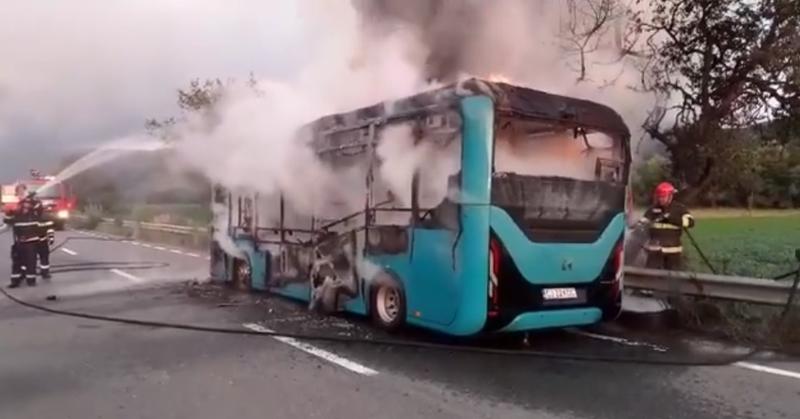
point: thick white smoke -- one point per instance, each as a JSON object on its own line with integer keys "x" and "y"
{"x": 355, "y": 61}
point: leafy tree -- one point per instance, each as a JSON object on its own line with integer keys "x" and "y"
{"x": 647, "y": 176}
{"x": 725, "y": 64}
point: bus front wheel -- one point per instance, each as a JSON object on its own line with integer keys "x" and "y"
{"x": 242, "y": 274}
{"x": 388, "y": 304}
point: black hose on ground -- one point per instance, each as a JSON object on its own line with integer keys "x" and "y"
{"x": 718, "y": 361}
{"x": 699, "y": 250}
{"x": 715, "y": 361}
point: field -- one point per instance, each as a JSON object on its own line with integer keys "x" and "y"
{"x": 758, "y": 244}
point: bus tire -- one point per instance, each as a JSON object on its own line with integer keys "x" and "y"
{"x": 387, "y": 303}
{"x": 612, "y": 309}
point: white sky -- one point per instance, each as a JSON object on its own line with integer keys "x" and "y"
{"x": 75, "y": 73}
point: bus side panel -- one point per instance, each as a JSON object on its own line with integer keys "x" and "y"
{"x": 556, "y": 263}
{"x": 259, "y": 263}
{"x": 427, "y": 274}
{"x": 473, "y": 245}
{"x": 294, "y": 290}
{"x": 432, "y": 288}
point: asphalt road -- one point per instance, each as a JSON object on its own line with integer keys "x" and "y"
{"x": 60, "y": 367}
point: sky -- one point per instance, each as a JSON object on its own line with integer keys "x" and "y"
{"x": 78, "y": 73}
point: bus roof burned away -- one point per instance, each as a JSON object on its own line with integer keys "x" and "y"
{"x": 509, "y": 99}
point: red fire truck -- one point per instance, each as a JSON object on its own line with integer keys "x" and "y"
{"x": 57, "y": 198}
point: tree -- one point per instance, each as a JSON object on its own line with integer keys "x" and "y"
{"x": 647, "y": 176}
{"x": 587, "y": 23}
{"x": 725, "y": 64}
{"x": 199, "y": 97}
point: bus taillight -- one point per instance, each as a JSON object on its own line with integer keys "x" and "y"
{"x": 494, "y": 275}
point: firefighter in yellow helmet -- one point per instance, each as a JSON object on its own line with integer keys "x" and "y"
{"x": 666, "y": 220}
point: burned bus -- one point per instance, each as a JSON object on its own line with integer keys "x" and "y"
{"x": 478, "y": 207}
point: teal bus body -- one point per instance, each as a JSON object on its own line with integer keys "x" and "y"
{"x": 444, "y": 273}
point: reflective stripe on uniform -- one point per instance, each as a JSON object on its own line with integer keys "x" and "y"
{"x": 665, "y": 226}
{"x": 16, "y": 276}
{"x": 26, "y": 224}
{"x": 44, "y": 266}
{"x": 687, "y": 220}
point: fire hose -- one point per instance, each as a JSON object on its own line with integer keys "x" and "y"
{"x": 705, "y": 361}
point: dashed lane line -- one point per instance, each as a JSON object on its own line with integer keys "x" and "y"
{"x": 619, "y": 340}
{"x": 132, "y": 278}
{"x": 151, "y": 246}
{"x": 320, "y": 353}
{"x": 768, "y": 370}
{"x": 746, "y": 365}
{"x": 69, "y": 252}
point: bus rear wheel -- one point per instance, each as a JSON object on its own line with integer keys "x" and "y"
{"x": 388, "y": 304}
{"x": 612, "y": 308}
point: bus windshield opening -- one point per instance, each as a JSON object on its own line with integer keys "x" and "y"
{"x": 559, "y": 183}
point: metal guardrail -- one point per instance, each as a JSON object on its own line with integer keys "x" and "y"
{"x": 752, "y": 290}
{"x": 168, "y": 228}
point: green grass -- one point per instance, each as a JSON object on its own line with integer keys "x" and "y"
{"x": 758, "y": 245}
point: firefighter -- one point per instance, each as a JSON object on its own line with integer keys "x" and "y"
{"x": 26, "y": 239}
{"x": 46, "y": 236}
{"x": 666, "y": 220}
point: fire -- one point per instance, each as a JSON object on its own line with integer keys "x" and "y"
{"x": 499, "y": 78}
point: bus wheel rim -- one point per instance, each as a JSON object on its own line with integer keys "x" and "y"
{"x": 388, "y": 304}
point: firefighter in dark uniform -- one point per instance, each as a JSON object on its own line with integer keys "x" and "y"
{"x": 666, "y": 220}
{"x": 26, "y": 228}
{"x": 47, "y": 235}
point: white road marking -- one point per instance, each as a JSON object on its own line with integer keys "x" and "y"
{"x": 127, "y": 276}
{"x": 159, "y": 248}
{"x": 176, "y": 251}
{"x": 147, "y": 245}
{"x": 313, "y": 350}
{"x": 69, "y": 252}
{"x": 194, "y": 255}
{"x": 619, "y": 340}
{"x": 768, "y": 370}
{"x": 135, "y": 243}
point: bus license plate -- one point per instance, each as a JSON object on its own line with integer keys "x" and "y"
{"x": 559, "y": 293}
